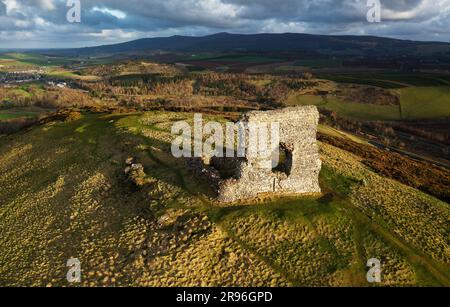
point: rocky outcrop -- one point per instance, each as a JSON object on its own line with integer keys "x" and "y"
{"x": 136, "y": 174}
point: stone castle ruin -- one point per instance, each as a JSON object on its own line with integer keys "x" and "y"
{"x": 296, "y": 173}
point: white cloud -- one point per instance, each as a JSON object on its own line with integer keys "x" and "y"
{"x": 108, "y": 35}
{"x": 47, "y": 5}
{"x": 275, "y": 26}
{"x": 116, "y": 13}
{"x": 11, "y": 6}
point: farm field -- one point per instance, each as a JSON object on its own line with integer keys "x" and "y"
{"x": 425, "y": 102}
{"x": 340, "y": 134}
{"x": 229, "y": 62}
{"x": 319, "y": 63}
{"x": 10, "y": 96}
{"x": 170, "y": 232}
{"x": 10, "y": 114}
{"x": 234, "y": 58}
{"x": 389, "y": 80}
{"x": 35, "y": 59}
{"x": 23, "y": 61}
{"x": 19, "y": 112}
{"x": 7, "y": 64}
{"x": 348, "y": 109}
{"x": 69, "y": 74}
{"x": 21, "y": 92}
{"x": 415, "y": 103}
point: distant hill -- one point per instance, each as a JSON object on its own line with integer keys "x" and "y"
{"x": 287, "y": 42}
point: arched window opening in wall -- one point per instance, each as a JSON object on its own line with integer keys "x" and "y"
{"x": 284, "y": 164}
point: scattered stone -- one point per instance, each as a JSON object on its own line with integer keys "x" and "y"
{"x": 136, "y": 173}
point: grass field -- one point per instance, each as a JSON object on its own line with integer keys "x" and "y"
{"x": 319, "y": 63}
{"x": 348, "y": 109}
{"x": 22, "y": 61}
{"x": 37, "y": 59}
{"x": 11, "y": 115}
{"x": 341, "y": 134}
{"x": 389, "y": 80}
{"x": 171, "y": 233}
{"x": 425, "y": 102}
{"x": 20, "y": 92}
{"x": 11, "y": 64}
{"x": 416, "y": 103}
{"x": 253, "y": 59}
{"x": 69, "y": 74}
{"x": 18, "y": 112}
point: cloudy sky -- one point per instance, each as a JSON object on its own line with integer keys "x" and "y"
{"x": 43, "y": 23}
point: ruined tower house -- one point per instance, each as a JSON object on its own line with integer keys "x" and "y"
{"x": 297, "y": 173}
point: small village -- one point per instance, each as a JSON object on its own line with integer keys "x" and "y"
{"x": 9, "y": 79}
{"x": 21, "y": 76}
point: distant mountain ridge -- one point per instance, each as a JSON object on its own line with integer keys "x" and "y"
{"x": 287, "y": 42}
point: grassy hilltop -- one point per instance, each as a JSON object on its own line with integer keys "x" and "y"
{"x": 63, "y": 194}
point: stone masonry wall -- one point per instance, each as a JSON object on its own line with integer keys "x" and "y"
{"x": 300, "y": 172}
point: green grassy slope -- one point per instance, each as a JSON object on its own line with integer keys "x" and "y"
{"x": 11, "y": 115}
{"x": 234, "y": 58}
{"x": 319, "y": 63}
{"x": 425, "y": 102}
{"x": 416, "y": 103}
{"x": 17, "y": 112}
{"x": 349, "y": 109}
{"x": 389, "y": 80}
{"x": 63, "y": 194}
{"x": 36, "y": 59}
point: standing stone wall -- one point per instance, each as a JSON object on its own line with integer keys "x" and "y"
{"x": 299, "y": 173}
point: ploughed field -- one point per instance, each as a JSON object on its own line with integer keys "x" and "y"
{"x": 64, "y": 194}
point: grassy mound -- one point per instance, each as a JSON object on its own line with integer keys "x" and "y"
{"x": 64, "y": 194}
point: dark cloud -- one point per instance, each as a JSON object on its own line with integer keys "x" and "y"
{"x": 43, "y": 22}
{"x": 2, "y": 9}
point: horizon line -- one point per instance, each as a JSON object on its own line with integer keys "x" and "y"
{"x": 228, "y": 33}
